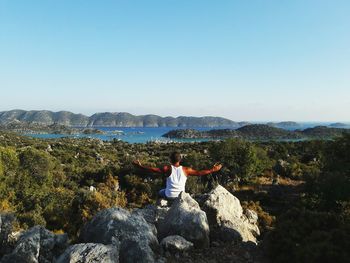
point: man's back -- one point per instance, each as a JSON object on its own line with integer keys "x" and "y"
{"x": 175, "y": 182}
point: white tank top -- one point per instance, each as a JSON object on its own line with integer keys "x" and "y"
{"x": 175, "y": 183}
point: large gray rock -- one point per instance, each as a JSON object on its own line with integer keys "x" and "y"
{"x": 37, "y": 245}
{"x": 152, "y": 214}
{"x": 186, "y": 219}
{"x": 129, "y": 231}
{"x": 176, "y": 244}
{"x": 149, "y": 213}
{"x": 226, "y": 218}
{"x": 90, "y": 253}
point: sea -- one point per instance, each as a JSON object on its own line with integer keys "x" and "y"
{"x": 148, "y": 134}
{"x": 127, "y": 134}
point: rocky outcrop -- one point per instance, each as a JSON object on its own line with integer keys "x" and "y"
{"x": 90, "y": 253}
{"x": 117, "y": 235}
{"x": 129, "y": 231}
{"x": 176, "y": 244}
{"x": 186, "y": 219}
{"x": 226, "y": 218}
{"x": 37, "y": 245}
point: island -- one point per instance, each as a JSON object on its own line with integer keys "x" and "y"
{"x": 36, "y": 128}
{"x": 258, "y": 132}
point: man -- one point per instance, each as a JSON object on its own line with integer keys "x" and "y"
{"x": 176, "y": 175}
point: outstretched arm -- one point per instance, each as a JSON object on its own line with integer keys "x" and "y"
{"x": 193, "y": 172}
{"x": 138, "y": 164}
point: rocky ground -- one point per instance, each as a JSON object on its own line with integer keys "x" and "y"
{"x": 215, "y": 228}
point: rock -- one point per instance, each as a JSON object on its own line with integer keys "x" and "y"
{"x": 152, "y": 214}
{"x": 129, "y": 231}
{"x": 92, "y": 188}
{"x": 252, "y": 216}
{"x": 7, "y": 238}
{"x": 163, "y": 203}
{"x": 185, "y": 218}
{"x": 49, "y": 148}
{"x": 90, "y": 253}
{"x": 226, "y": 218}
{"x": 176, "y": 244}
{"x": 149, "y": 213}
{"x": 37, "y": 245}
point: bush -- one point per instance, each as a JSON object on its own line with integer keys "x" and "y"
{"x": 303, "y": 235}
{"x": 239, "y": 159}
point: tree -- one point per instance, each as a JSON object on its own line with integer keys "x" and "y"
{"x": 239, "y": 159}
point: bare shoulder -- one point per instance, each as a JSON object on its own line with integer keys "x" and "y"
{"x": 166, "y": 169}
{"x": 187, "y": 170}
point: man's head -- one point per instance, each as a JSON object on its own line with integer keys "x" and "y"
{"x": 175, "y": 157}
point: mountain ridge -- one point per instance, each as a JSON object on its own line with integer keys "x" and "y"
{"x": 111, "y": 119}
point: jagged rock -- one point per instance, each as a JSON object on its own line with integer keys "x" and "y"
{"x": 185, "y": 218}
{"x": 90, "y": 253}
{"x": 252, "y": 216}
{"x": 226, "y": 218}
{"x": 176, "y": 244}
{"x": 37, "y": 245}
{"x": 130, "y": 231}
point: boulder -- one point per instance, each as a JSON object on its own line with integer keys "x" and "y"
{"x": 152, "y": 214}
{"x": 226, "y": 219}
{"x": 175, "y": 244}
{"x": 90, "y": 253}
{"x": 186, "y": 219}
{"x": 149, "y": 213}
{"x": 37, "y": 245}
{"x": 129, "y": 231}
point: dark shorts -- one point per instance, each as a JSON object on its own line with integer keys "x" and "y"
{"x": 162, "y": 194}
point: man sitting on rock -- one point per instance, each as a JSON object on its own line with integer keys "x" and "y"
{"x": 176, "y": 175}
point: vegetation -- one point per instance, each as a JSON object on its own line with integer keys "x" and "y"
{"x": 317, "y": 227}
{"x": 260, "y": 132}
{"x": 300, "y": 190}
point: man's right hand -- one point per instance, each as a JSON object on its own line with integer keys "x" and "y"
{"x": 217, "y": 167}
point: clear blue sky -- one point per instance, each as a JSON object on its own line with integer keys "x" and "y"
{"x": 244, "y": 60}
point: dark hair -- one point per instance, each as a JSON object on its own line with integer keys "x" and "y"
{"x": 175, "y": 157}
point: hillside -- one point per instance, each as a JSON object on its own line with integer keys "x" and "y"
{"x": 258, "y": 132}
{"x": 285, "y": 124}
{"x": 69, "y": 198}
{"x": 111, "y": 119}
{"x": 339, "y": 125}
{"x": 323, "y": 131}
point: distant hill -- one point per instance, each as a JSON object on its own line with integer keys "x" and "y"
{"x": 339, "y": 125}
{"x": 323, "y": 131}
{"x": 285, "y": 124}
{"x": 110, "y": 119}
{"x": 258, "y": 132}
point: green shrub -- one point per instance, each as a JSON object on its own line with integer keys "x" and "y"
{"x": 239, "y": 159}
